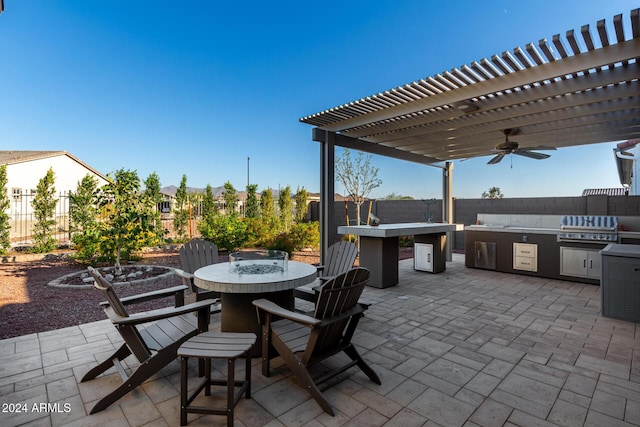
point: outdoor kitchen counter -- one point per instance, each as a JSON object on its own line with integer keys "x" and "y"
{"x": 512, "y": 229}
{"x": 379, "y": 246}
{"x": 506, "y": 240}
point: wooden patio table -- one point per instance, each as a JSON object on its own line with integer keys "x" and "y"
{"x": 239, "y": 290}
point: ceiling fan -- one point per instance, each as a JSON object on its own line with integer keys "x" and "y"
{"x": 512, "y": 147}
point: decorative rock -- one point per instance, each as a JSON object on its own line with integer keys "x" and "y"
{"x": 109, "y": 277}
{"x": 87, "y": 280}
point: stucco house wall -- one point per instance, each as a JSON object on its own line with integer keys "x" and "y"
{"x": 26, "y": 168}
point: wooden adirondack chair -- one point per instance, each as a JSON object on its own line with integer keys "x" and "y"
{"x": 340, "y": 258}
{"x": 303, "y": 341}
{"x": 195, "y": 254}
{"x": 153, "y": 337}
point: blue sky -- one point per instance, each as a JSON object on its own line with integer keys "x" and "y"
{"x": 196, "y": 87}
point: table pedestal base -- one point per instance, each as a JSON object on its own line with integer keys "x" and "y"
{"x": 239, "y": 314}
{"x": 380, "y": 257}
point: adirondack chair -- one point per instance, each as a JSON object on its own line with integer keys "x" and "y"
{"x": 153, "y": 337}
{"x": 194, "y": 254}
{"x": 339, "y": 259}
{"x": 303, "y": 340}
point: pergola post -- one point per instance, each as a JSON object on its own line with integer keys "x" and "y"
{"x": 447, "y": 204}
{"x": 327, "y": 188}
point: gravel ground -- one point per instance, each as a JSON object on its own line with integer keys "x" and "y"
{"x": 28, "y": 305}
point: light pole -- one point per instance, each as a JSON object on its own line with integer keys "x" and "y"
{"x": 248, "y": 158}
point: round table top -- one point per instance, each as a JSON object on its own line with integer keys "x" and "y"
{"x": 218, "y": 278}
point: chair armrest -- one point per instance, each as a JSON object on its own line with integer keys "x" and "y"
{"x": 149, "y": 296}
{"x": 183, "y": 274}
{"x": 161, "y": 313}
{"x": 187, "y": 279}
{"x": 353, "y": 311}
{"x": 275, "y": 309}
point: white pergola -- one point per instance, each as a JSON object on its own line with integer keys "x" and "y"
{"x": 578, "y": 89}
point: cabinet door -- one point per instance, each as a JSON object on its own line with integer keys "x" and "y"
{"x": 573, "y": 262}
{"x": 594, "y": 265}
{"x": 423, "y": 257}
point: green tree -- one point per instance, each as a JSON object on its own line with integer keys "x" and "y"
{"x": 5, "y": 204}
{"x": 492, "y": 193}
{"x": 396, "y": 196}
{"x": 301, "y": 198}
{"x": 252, "y": 209}
{"x": 267, "y": 210}
{"x": 284, "y": 203}
{"x": 129, "y": 218}
{"x": 181, "y": 213}
{"x": 208, "y": 203}
{"x": 230, "y": 199}
{"x": 44, "y": 205}
{"x": 152, "y": 193}
{"x": 358, "y": 176}
{"x": 83, "y": 213}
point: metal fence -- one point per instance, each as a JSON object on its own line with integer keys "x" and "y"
{"x": 22, "y": 220}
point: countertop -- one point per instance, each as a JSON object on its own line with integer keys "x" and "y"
{"x": 629, "y": 251}
{"x": 510, "y": 229}
{"x": 533, "y": 230}
{"x": 401, "y": 229}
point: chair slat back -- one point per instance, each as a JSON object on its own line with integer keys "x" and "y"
{"x": 103, "y": 285}
{"x": 335, "y": 297}
{"x": 340, "y": 258}
{"x": 197, "y": 253}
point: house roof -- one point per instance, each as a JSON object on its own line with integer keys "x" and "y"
{"x": 618, "y": 191}
{"x": 580, "y": 88}
{"x": 20, "y": 156}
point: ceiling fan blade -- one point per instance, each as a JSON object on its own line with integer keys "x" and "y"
{"x": 496, "y": 159}
{"x": 538, "y": 148}
{"x": 531, "y": 154}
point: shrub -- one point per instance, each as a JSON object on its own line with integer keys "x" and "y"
{"x": 305, "y": 235}
{"x": 226, "y": 231}
{"x": 282, "y": 242}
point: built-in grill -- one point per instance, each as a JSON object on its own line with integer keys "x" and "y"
{"x": 588, "y": 228}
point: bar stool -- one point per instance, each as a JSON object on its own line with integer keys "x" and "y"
{"x": 215, "y": 345}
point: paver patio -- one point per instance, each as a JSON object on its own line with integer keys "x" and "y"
{"x": 464, "y": 347}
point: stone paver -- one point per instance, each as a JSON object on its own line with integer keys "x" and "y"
{"x": 463, "y": 347}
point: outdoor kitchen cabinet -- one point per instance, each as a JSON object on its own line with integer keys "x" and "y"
{"x": 580, "y": 262}
{"x": 620, "y": 282}
{"x": 423, "y": 257}
{"x": 525, "y": 256}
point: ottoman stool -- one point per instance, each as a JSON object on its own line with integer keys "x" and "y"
{"x": 215, "y": 345}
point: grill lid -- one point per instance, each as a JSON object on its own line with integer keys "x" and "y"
{"x": 589, "y": 223}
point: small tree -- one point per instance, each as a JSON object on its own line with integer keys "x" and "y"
{"x": 44, "y": 205}
{"x": 152, "y": 193}
{"x": 301, "y": 204}
{"x": 85, "y": 231}
{"x": 208, "y": 203}
{"x": 284, "y": 203}
{"x": 252, "y": 209}
{"x": 129, "y": 216}
{"x": 5, "y": 204}
{"x": 493, "y": 193}
{"x": 267, "y": 211}
{"x": 181, "y": 213}
{"x": 230, "y": 199}
{"x": 358, "y": 177}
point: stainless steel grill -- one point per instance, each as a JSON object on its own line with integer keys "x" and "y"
{"x": 588, "y": 228}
